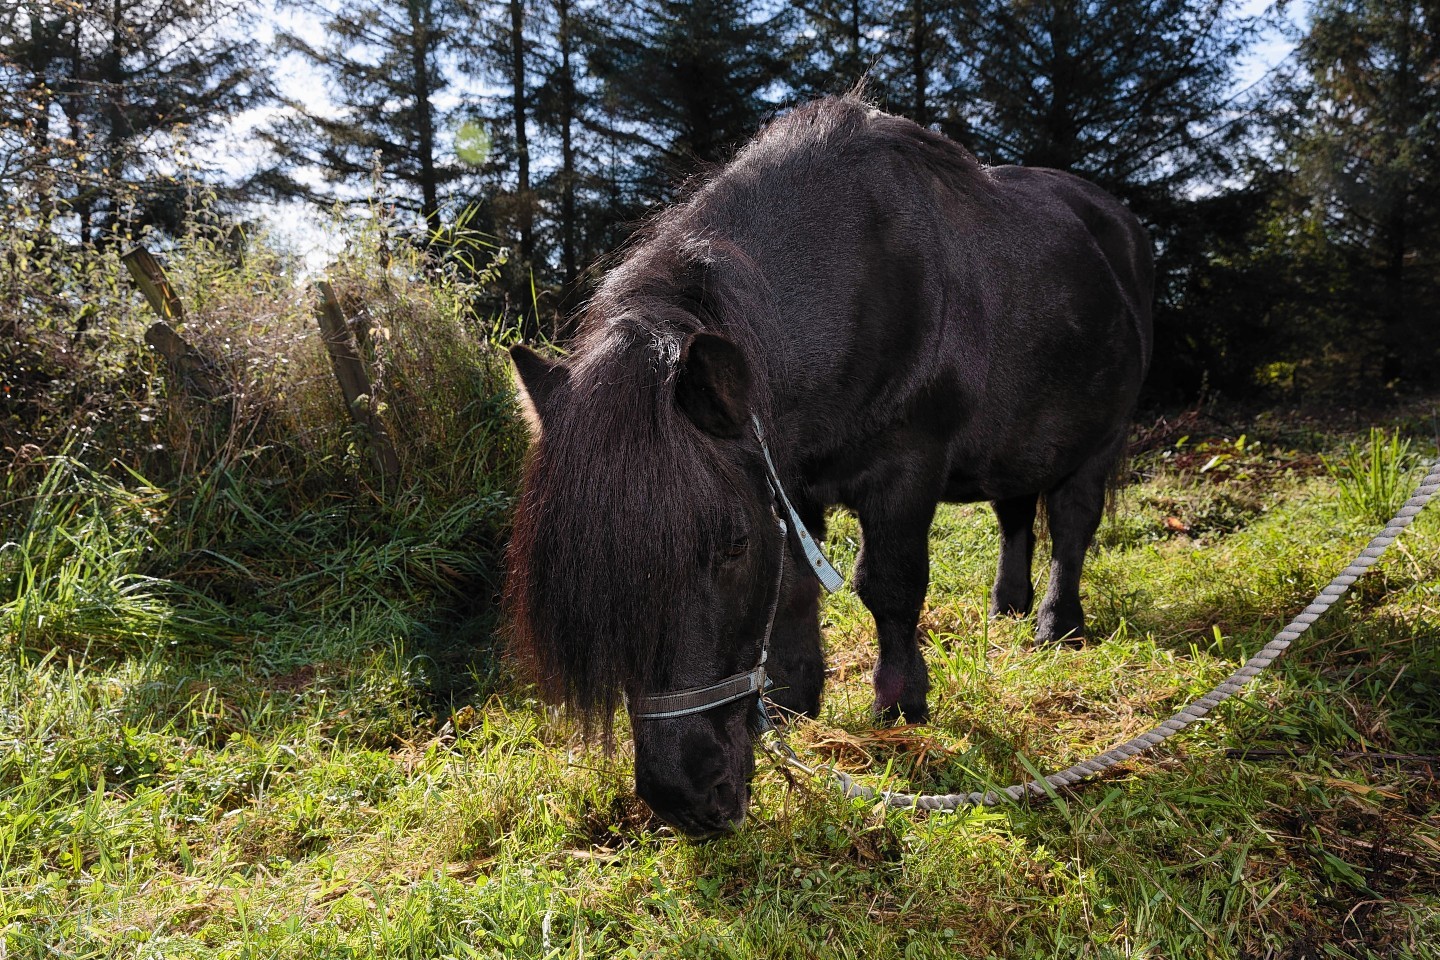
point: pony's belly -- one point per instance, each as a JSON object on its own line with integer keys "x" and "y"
{"x": 1016, "y": 473}
{"x": 972, "y": 490}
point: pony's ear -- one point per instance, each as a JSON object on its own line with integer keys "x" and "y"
{"x": 713, "y": 385}
{"x": 537, "y": 379}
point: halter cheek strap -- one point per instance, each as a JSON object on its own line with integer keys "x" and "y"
{"x": 681, "y": 703}
{"x": 828, "y": 576}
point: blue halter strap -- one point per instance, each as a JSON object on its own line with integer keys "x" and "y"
{"x": 828, "y": 576}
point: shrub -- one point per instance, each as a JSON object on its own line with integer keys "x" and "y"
{"x": 261, "y": 497}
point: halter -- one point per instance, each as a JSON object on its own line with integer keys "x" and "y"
{"x": 681, "y": 703}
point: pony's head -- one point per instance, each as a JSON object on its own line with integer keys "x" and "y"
{"x": 645, "y": 556}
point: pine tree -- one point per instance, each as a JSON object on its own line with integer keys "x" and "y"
{"x": 687, "y": 82}
{"x": 1134, "y": 94}
{"x": 501, "y": 46}
{"x": 1369, "y": 164}
{"x": 562, "y": 107}
{"x": 384, "y": 61}
{"x": 833, "y": 47}
{"x": 918, "y": 71}
{"x": 101, "y": 104}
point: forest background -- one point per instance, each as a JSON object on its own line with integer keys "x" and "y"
{"x": 1292, "y": 196}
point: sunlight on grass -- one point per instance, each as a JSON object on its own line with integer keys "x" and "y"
{"x": 1374, "y": 477}
{"x": 308, "y": 778}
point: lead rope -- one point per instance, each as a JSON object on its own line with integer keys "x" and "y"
{"x": 772, "y": 742}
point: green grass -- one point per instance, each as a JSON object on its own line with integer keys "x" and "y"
{"x": 302, "y": 745}
{"x": 1374, "y": 476}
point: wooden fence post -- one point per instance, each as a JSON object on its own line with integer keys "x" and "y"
{"x": 190, "y": 366}
{"x": 150, "y": 277}
{"x": 354, "y": 381}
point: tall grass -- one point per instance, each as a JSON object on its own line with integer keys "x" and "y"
{"x": 1373, "y": 476}
{"x": 71, "y": 575}
{"x": 133, "y": 507}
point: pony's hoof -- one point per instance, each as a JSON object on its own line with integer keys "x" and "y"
{"x": 1074, "y": 639}
{"x": 899, "y": 713}
{"x": 1011, "y": 604}
{"x": 1060, "y": 626}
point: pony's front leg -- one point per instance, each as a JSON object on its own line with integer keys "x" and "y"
{"x": 797, "y": 663}
{"x": 891, "y": 577}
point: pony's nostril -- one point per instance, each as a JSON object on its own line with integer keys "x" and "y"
{"x": 727, "y": 805}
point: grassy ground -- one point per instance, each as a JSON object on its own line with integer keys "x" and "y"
{"x": 311, "y": 770}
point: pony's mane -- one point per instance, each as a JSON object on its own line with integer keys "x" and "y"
{"x": 623, "y": 495}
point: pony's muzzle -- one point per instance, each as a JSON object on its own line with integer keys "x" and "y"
{"x": 698, "y": 810}
{"x": 694, "y": 772}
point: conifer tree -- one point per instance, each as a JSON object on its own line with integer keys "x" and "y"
{"x": 100, "y": 103}
{"x": 687, "y": 82}
{"x": 384, "y": 65}
{"x": 919, "y": 68}
{"x": 1368, "y": 159}
{"x": 1137, "y": 95}
{"x": 834, "y": 46}
{"x": 501, "y": 46}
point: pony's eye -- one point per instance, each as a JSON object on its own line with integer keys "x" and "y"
{"x": 738, "y": 547}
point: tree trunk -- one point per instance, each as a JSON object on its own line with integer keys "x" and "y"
{"x": 1059, "y": 148}
{"x": 1392, "y": 315}
{"x": 918, "y": 31}
{"x": 567, "y": 147}
{"x": 521, "y": 113}
{"x": 1396, "y": 228}
{"x": 420, "y": 29}
{"x": 112, "y": 87}
{"x": 857, "y": 63}
{"x": 45, "y": 38}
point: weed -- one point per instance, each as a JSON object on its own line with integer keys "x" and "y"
{"x": 1374, "y": 476}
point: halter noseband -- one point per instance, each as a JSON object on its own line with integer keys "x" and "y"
{"x": 664, "y": 706}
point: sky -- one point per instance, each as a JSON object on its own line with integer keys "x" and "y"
{"x": 311, "y": 234}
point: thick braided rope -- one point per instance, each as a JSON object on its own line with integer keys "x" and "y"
{"x": 1232, "y": 684}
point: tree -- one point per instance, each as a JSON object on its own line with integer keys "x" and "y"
{"x": 1368, "y": 159}
{"x": 687, "y": 82}
{"x": 833, "y": 47}
{"x": 1135, "y": 95}
{"x": 918, "y": 70}
{"x": 102, "y": 103}
{"x": 564, "y": 112}
{"x": 385, "y": 61}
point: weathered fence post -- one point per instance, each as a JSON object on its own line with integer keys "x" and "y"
{"x": 354, "y": 381}
{"x": 190, "y": 366}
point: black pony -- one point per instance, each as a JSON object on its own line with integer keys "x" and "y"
{"x": 905, "y": 326}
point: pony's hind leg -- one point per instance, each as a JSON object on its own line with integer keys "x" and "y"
{"x": 1014, "y": 593}
{"x": 1074, "y": 508}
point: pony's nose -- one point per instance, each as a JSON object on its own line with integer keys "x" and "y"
{"x": 725, "y": 806}
{"x": 722, "y": 809}
{"x": 699, "y": 811}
